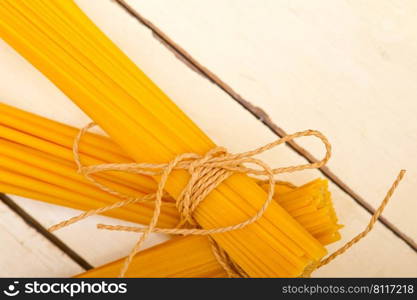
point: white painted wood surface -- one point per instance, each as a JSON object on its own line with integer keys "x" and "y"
{"x": 347, "y": 68}
{"x": 26, "y": 253}
{"x": 95, "y": 246}
{"x": 224, "y": 120}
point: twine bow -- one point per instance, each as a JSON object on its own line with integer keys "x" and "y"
{"x": 206, "y": 173}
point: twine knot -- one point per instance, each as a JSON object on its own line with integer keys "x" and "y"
{"x": 205, "y": 176}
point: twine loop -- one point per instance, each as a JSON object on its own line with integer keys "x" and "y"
{"x": 206, "y": 173}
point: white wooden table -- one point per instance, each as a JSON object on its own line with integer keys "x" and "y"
{"x": 346, "y": 68}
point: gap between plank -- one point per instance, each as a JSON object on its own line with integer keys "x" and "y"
{"x": 261, "y": 115}
{"x": 29, "y": 220}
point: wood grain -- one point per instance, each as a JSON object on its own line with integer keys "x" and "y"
{"x": 25, "y": 252}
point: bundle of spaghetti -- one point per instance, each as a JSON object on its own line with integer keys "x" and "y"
{"x": 312, "y": 207}
{"x": 174, "y": 246}
{"x": 28, "y": 172}
{"x": 56, "y": 139}
{"x": 20, "y": 160}
{"x": 191, "y": 256}
{"x": 31, "y": 173}
{"x": 58, "y": 39}
{"x": 53, "y": 135}
{"x": 34, "y": 166}
{"x": 183, "y": 257}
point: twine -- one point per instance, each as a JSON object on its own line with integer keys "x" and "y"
{"x": 370, "y": 225}
{"x": 206, "y": 173}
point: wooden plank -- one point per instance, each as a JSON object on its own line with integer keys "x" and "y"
{"x": 33, "y": 223}
{"x": 96, "y": 246}
{"x": 221, "y": 118}
{"x": 25, "y": 252}
{"x": 343, "y": 67}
